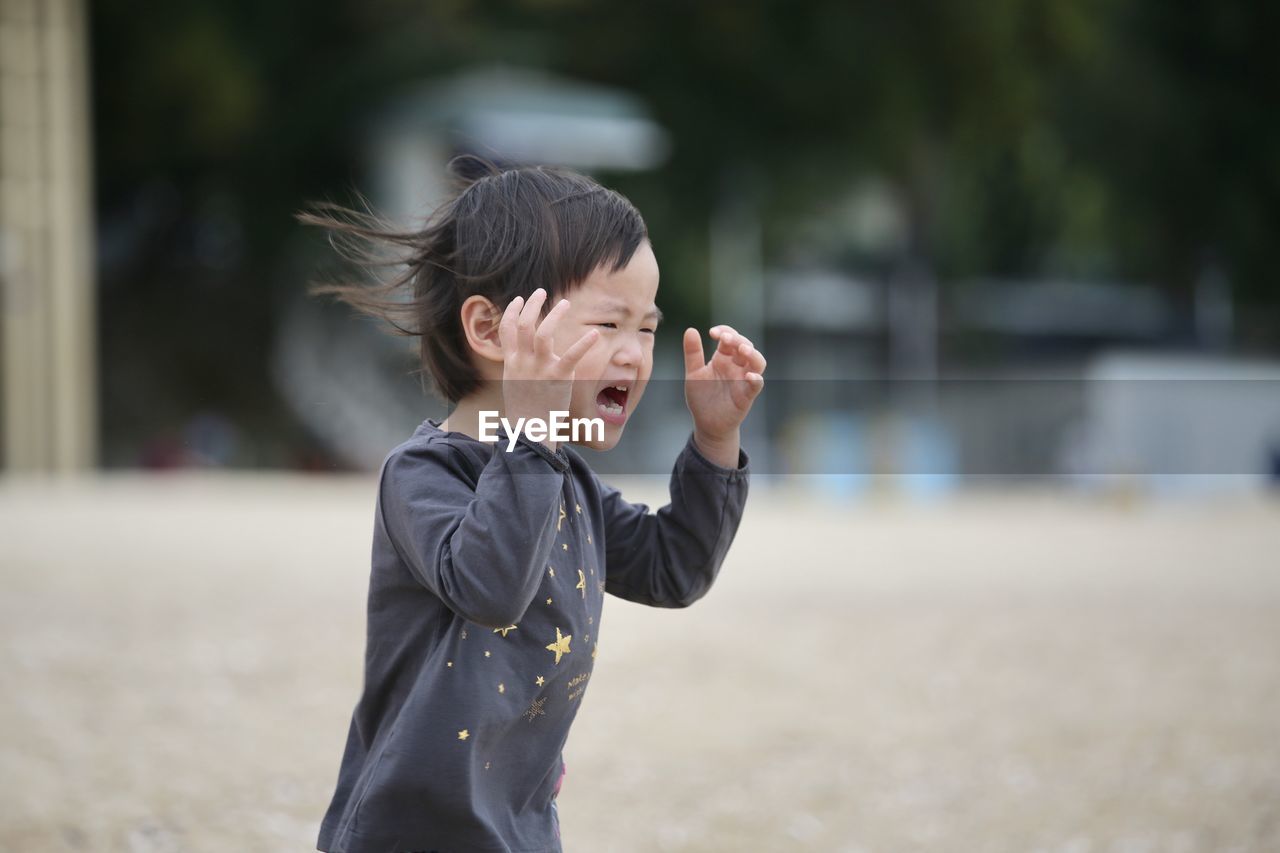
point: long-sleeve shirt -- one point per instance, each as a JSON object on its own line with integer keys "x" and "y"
{"x": 489, "y": 571}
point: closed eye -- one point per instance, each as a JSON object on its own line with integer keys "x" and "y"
{"x": 615, "y": 325}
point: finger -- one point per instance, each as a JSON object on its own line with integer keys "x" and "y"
{"x": 507, "y": 335}
{"x": 570, "y": 358}
{"x": 693, "y": 358}
{"x": 727, "y": 347}
{"x": 742, "y": 356}
{"x": 754, "y": 360}
{"x": 529, "y": 319}
{"x": 727, "y": 335}
{"x": 546, "y": 333}
{"x": 748, "y": 389}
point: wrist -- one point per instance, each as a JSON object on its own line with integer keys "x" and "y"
{"x": 547, "y": 450}
{"x": 537, "y": 427}
{"x": 720, "y": 449}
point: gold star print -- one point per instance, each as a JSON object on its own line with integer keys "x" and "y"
{"x": 502, "y": 688}
{"x": 486, "y": 652}
{"x": 548, "y": 601}
{"x": 464, "y": 633}
{"x": 577, "y": 508}
{"x": 464, "y": 734}
{"x": 594, "y": 649}
{"x": 535, "y": 708}
{"x": 560, "y": 646}
{"x": 588, "y": 538}
{"x": 561, "y": 518}
{"x": 486, "y": 765}
{"x": 448, "y": 663}
{"x": 564, "y": 545}
{"x": 591, "y": 620}
{"x": 539, "y": 681}
{"x": 504, "y": 630}
{"x": 582, "y": 583}
{"x": 551, "y": 571}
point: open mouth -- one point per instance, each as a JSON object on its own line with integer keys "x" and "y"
{"x": 612, "y": 400}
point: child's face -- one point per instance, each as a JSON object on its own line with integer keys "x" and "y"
{"x": 620, "y": 305}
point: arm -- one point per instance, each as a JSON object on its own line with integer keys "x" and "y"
{"x": 481, "y": 551}
{"x": 670, "y": 558}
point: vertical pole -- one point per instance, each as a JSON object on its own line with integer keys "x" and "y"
{"x": 48, "y": 382}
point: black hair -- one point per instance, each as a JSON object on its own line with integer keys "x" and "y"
{"x": 503, "y": 233}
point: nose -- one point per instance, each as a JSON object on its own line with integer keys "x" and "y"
{"x": 629, "y": 353}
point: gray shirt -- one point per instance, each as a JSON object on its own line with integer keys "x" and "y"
{"x": 489, "y": 571}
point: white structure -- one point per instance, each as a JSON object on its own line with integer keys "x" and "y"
{"x": 348, "y": 382}
{"x": 1180, "y": 423}
{"x": 512, "y": 115}
{"x": 48, "y": 397}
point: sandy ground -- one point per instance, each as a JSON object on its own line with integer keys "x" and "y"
{"x": 181, "y": 655}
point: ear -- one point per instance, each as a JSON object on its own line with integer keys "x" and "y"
{"x": 480, "y": 319}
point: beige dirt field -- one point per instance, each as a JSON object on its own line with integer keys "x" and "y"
{"x": 999, "y": 672}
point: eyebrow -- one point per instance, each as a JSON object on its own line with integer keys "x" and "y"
{"x": 615, "y": 307}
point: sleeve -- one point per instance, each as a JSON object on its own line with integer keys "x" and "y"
{"x": 481, "y": 550}
{"x": 670, "y": 558}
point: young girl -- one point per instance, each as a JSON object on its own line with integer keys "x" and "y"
{"x": 533, "y": 291}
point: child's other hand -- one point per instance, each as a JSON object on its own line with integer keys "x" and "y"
{"x": 737, "y": 368}
{"x": 535, "y": 381}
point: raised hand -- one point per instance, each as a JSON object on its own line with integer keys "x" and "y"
{"x": 536, "y": 381}
{"x": 720, "y": 392}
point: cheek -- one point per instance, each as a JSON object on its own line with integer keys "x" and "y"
{"x": 582, "y": 388}
{"x": 570, "y": 335}
{"x": 646, "y": 367}
{"x": 594, "y": 364}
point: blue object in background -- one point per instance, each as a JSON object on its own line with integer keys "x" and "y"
{"x": 926, "y": 459}
{"x": 839, "y": 455}
{"x": 842, "y": 463}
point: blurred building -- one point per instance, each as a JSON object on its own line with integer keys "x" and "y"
{"x": 1072, "y": 379}
{"x": 347, "y": 382}
{"x": 511, "y": 115}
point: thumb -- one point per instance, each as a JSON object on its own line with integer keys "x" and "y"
{"x": 693, "y": 358}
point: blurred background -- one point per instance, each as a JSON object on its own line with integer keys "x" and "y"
{"x": 1014, "y": 269}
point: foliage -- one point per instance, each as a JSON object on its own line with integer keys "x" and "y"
{"x": 1119, "y": 138}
